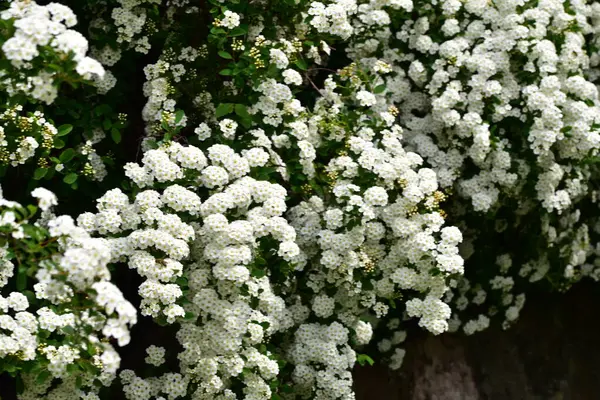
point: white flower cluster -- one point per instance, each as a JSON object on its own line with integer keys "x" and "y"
{"x": 76, "y": 270}
{"x": 215, "y": 244}
{"x": 39, "y": 26}
{"x": 278, "y": 228}
{"x": 130, "y": 19}
{"x": 323, "y": 361}
{"x": 500, "y": 100}
{"x": 35, "y": 132}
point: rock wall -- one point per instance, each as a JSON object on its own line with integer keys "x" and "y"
{"x": 551, "y": 353}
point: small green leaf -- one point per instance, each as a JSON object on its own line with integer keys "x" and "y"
{"x": 64, "y": 130}
{"x": 242, "y": 111}
{"x": 67, "y": 155}
{"x": 91, "y": 349}
{"x": 59, "y": 143}
{"x": 265, "y": 324}
{"x": 379, "y": 89}
{"x": 116, "y": 135}
{"x": 182, "y": 281}
{"x": 300, "y": 63}
{"x": 246, "y": 123}
{"x": 189, "y": 316}
{"x": 86, "y": 366}
{"x": 223, "y": 109}
{"x": 102, "y": 109}
{"x": 107, "y": 124}
{"x": 225, "y": 55}
{"x": 225, "y": 72}
{"x": 258, "y": 273}
{"x": 217, "y": 31}
{"x": 363, "y": 359}
{"x": 41, "y": 378}
{"x": 21, "y": 279}
{"x": 566, "y": 129}
{"x": 69, "y": 330}
{"x": 70, "y": 178}
{"x": 238, "y": 31}
{"x": 179, "y": 116}
{"x": 285, "y": 388}
{"x": 32, "y": 210}
{"x": 39, "y": 173}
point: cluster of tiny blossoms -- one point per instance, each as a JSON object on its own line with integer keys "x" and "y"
{"x": 287, "y": 211}
{"x": 63, "y": 321}
{"x": 37, "y": 29}
{"x": 501, "y": 102}
{"x": 203, "y": 273}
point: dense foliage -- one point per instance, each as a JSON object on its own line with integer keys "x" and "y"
{"x": 277, "y": 188}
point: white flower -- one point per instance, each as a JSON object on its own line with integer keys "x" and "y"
{"x": 278, "y": 58}
{"x": 46, "y": 199}
{"x": 230, "y": 19}
{"x": 292, "y": 77}
{"x": 366, "y": 99}
{"x": 228, "y": 127}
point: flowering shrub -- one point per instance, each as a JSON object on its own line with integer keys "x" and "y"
{"x": 281, "y": 187}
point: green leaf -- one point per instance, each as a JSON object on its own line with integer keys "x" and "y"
{"x": 32, "y": 210}
{"x": 217, "y": 31}
{"x": 246, "y": 123}
{"x": 225, "y": 55}
{"x": 223, "y": 109}
{"x": 64, "y": 130}
{"x": 242, "y": 111}
{"x": 59, "y": 143}
{"x": 225, "y": 72}
{"x": 70, "y": 178}
{"x": 102, "y": 109}
{"x": 238, "y": 31}
{"x": 566, "y": 129}
{"x": 179, "y": 116}
{"x": 379, "y": 89}
{"x": 189, "y": 316}
{"x": 91, "y": 349}
{"x": 86, "y": 366}
{"x": 363, "y": 359}
{"x": 116, "y": 135}
{"x": 182, "y": 281}
{"x": 55, "y": 67}
{"x": 21, "y": 279}
{"x": 392, "y": 303}
{"x": 265, "y": 324}
{"x": 67, "y": 155}
{"x": 39, "y": 173}
{"x": 107, "y": 124}
{"x": 41, "y": 378}
{"x": 301, "y": 63}
{"x": 258, "y": 273}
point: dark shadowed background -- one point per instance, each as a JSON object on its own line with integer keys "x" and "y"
{"x": 551, "y": 353}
